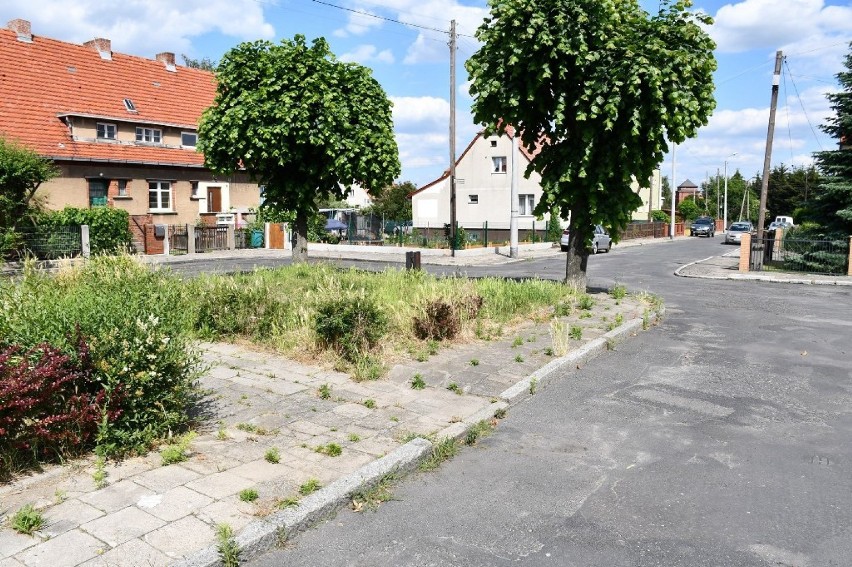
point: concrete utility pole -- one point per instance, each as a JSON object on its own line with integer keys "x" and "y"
{"x": 453, "y": 137}
{"x": 764, "y": 183}
{"x": 513, "y": 197}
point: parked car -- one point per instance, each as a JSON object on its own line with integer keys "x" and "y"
{"x": 703, "y": 226}
{"x": 785, "y": 220}
{"x": 600, "y": 241}
{"x": 775, "y": 225}
{"x": 734, "y": 234}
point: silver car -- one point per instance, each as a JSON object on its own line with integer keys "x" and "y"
{"x": 600, "y": 241}
{"x": 734, "y": 234}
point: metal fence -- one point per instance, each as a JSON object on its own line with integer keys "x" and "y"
{"x": 829, "y": 257}
{"x": 41, "y": 243}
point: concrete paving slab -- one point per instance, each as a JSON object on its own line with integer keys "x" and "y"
{"x": 219, "y": 485}
{"x": 67, "y": 516}
{"x": 174, "y": 504}
{"x": 182, "y": 537}
{"x": 66, "y": 550}
{"x": 117, "y": 496}
{"x": 118, "y": 527}
{"x": 11, "y": 542}
{"x": 165, "y": 478}
{"x": 134, "y": 553}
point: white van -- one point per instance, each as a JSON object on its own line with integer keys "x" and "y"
{"x": 782, "y": 220}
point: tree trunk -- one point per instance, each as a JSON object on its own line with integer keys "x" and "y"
{"x": 300, "y": 238}
{"x": 576, "y": 259}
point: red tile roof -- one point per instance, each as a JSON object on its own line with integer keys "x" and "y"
{"x": 45, "y": 79}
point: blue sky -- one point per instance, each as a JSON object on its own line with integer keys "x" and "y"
{"x": 412, "y": 63}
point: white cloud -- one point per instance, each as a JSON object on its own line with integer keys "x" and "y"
{"x": 142, "y": 27}
{"x": 368, "y": 54}
{"x": 419, "y": 112}
{"x": 806, "y": 28}
{"x": 359, "y": 24}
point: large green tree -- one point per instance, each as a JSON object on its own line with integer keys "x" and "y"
{"x": 22, "y": 171}
{"x": 301, "y": 123}
{"x": 394, "y": 203}
{"x": 600, "y": 87}
{"x": 834, "y": 193}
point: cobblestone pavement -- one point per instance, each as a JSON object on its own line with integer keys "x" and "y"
{"x": 258, "y": 408}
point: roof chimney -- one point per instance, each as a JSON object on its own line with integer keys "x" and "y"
{"x": 102, "y": 46}
{"x": 22, "y": 28}
{"x": 168, "y": 59}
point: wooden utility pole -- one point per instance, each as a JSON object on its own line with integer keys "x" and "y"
{"x": 764, "y": 182}
{"x": 453, "y": 137}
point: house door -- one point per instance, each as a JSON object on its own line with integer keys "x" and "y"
{"x": 214, "y": 199}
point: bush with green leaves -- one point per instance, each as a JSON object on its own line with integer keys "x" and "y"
{"x": 350, "y": 325}
{"x": 109, "y": 228}
{"x": 137, "y": 327}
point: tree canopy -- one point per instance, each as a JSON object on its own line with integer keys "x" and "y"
{"x": 393, "y": 203}
{"x": 834, "y": 193}
{"x": 600, "y": 87}
{"x": 22, "y": 171}
{"x": 301, "y": 123}
{"x": 205, "y": 63}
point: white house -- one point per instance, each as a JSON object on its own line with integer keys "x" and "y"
{"x": 483, "y": 186}
{"x": 483, "y": 192}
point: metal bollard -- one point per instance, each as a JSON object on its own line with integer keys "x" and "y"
{"x": 412, "y": 260}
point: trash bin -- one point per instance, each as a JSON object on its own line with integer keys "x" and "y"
{"x": 257, "y": 239}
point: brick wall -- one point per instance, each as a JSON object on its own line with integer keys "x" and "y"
{"x": 137, "y": 229}
{"x": 153, "y": 244}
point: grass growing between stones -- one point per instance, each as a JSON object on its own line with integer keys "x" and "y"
{"x": 27, "y": 520}
{"x": 226, "y": 545}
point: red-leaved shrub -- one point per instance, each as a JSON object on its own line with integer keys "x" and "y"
{"x": 50, "y": 404}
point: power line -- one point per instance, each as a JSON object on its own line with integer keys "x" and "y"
{"x": 802, "y": 104}
{"x": 368, "y": 14}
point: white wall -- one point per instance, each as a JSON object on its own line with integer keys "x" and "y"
{"x": 475, "y": 176}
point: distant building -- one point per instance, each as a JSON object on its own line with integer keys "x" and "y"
{"x": 686, "y": 190}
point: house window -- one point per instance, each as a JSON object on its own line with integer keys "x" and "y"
{"x": 106, "y": 131}
{"x": 98, "y": 193}
{"x": 188, "y": 139}
{"x": 498, "y": 164}
{"x": 526, "y": 204}
{"x": 151, "y": 135}
{"x": 128, "y": 104}
{"x": 122, "y": 188}
{"x": 473, "y": 199}
{"x": 160, "y": 196}
{"x": 493, "y": 143}
{"x": 193, "y": 189}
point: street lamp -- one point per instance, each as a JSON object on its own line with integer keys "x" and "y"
{"x": 725, "y": 222}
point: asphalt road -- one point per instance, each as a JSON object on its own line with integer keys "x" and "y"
{"x": 721, "y": 437}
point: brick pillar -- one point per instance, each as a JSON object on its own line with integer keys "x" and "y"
{"x": 745, "y": 252}
{"x": 849, "y": 271}
{"x": 153, "y": 245}
{"x": 112, "y": 192}
{"x": 190, "y": 239}
{"x": 232, "y": 240}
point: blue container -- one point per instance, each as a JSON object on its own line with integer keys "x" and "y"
{"x": 257, "y": 239}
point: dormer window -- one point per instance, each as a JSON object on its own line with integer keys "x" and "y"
{"x": 105, "y": 131}
{"x": 188, "y": 139}
{"x": 128, "y": 104}
{"x": 149, "y": 135}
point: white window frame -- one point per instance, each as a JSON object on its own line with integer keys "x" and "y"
{"x": 122, "y": 187}
{"x": 108, "y": 128}
{"x": 498, "y": 164}
{"x": 149, "y": 135}
{"x": 160, "y": 187}
{"x": 182, "y": 134}
{"x": 526, "y": 204}
{"x": 473, "y": 199}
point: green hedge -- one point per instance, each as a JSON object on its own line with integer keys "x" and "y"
{"x": 109, "y": 229}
